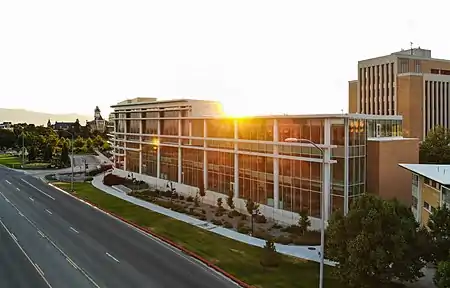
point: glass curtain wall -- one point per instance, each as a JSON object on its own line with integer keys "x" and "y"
{"x": 357, "y": 158}
{"x": 338, "y": 168}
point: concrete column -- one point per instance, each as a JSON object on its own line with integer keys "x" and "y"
{"x": 114, "y": 142}
{"x": 419, "y": 200}
{"x": 125, "y": 144}
{"x": 276, "y": 167}
{"x": 205, "y": 157}
{"x": 158, "y": 152}
{"x": 190, "y": 131}
{"x": 236, "y": 161}
{"x": 346, "y": 166}
{"x": 180, "y": 160}
{"x": 140, "y": 146}
{"x": 326, "y": 181}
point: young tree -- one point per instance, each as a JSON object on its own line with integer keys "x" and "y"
{"x": 252, "y": 209}
{"x": 442, "y": 275}
{"x": 230, "y": 201}
{"x": 78, "y": 143}
{"x": 269, "y": 256}
{"x": 48, "y": 152}
{"x": 303, "y": 222}
{"x": 376, "y": 242}
{"x": 219, "y": 204}
{"x": 439, "y": 225}
{"x": 435, "y": 148}
{"x": 65, "y": 159}
{"x": 32, "y": 153}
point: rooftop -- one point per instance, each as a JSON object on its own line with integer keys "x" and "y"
{"x": 437, "y": 172}
{"x": 153, "y": 101}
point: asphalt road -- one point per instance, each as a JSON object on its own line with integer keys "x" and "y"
{"x": 74, "y": 245}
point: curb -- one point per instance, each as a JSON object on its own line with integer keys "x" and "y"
{"x": 165, "y": 240}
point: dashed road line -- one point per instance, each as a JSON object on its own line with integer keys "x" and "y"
{"x": 49, "y": 196}
{"x": 40, "y": 233}
{"x": 48, "y": 211}
{"x": 112, "y": 257}
{"x": 17, "y": 189}
{"x": 31, "y": 199}
{"x": 8, "y": 182}
{"x": 74, "y": 230}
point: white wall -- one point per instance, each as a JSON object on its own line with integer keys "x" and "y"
{"x": 281, "y": 216}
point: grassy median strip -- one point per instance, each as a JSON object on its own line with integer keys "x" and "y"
{"x": 10, "y": 161}
{"x": 239, "y": 259}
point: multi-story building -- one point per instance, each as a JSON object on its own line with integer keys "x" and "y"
{"x": 430, "y": 189}
{"x": 191, "y": 144}
{"x": 409, "y": 83}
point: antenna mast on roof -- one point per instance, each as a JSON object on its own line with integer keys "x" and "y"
{"x": 411, "y": 44}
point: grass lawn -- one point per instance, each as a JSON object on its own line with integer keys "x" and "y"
{"x": 237, "y": 258}
{"x": 16, "y": 162}
{"x": 10, "y": 161}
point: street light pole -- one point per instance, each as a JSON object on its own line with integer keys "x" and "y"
{"x": 322, "y": 208}
{"x": 71, "y": 163}
{"x": 23, "y": 149}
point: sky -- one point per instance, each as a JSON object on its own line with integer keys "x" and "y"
{"x": 256, "y": 57}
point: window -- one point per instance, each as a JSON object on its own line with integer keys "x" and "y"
{"x": 414, "y": 202}
{"x": 378, "y": 131}
{"x": 427, "y": 207}
{"x": 434, "y": 71}
{"x": 415, "y": 179}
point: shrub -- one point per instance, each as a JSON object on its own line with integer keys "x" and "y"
{"x": 181, "y": 197}
{"x": 219, "y": 203}
{"x": 196, "y": 200}
{"x": 261, "y": 234}
{"x": 227, "y": 224}
{"x": 303, "y": 222}
{"x": 174, "y": 195}
{"x": 88, "y": 179}
{"x": 243, "y": 229}
{"x": 442, "y": 275}
{"x": 163, "y": 203}
{"x": 260, "y": 218}
{"x": 217, "y": 222}
{"x": 190, "y": 199}
{"x": 269, "y": 256}
{"x": 310, "y": 238}
{"x": 243, "y": 217}
{"x": 203, "y": 211}
{"x": 218, "y": 214}
{"x": 202, "y": 217}
{"x": 230, "y": 214}
{"x": 191, "y": 210}
{"x": 111, "y": 179}
{"x": 286, "y": 240}
{"x": 276, "y": 226}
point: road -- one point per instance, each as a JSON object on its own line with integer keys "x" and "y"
{"x": 54, "y": 240}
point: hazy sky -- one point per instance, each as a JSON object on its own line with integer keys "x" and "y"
{"x": 254, "y": 56}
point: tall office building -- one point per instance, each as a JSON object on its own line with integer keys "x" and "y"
{"x": 409, "y": 83}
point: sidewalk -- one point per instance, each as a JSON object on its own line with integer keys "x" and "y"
{"x": 303, "y": 252}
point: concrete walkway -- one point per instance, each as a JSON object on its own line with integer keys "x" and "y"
{"x": 304, "y": 252}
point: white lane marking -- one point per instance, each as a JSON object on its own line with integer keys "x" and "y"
{"x": 157, "y": 240}
{"x": 40, "y": 233}
{"x": 8, "y": 182}
{"x": 31, "y": 199}
{"x": 20, "y": 213}
{"x": 7, "y": 200}
{"x": 72, "y": 263}
{"x": 74, "y": 230}
{"x": 26, "y": 255}
{"x": 48, "y": 211}
{"x": 54, "y": 245}
{"x": 112, "y": 257}
{"x": 17, "y": 189}
{"x": 39, "y": 270}
{"x": 49, "y": 196}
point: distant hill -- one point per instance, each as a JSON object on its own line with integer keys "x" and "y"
{"x": 38, "y": 118}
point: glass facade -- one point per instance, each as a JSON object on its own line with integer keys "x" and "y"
{"x": 267, "y": 166}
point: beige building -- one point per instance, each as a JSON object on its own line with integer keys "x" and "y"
{"x": 409, "y": 83}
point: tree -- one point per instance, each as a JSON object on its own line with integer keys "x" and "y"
{"x": 219, "y": 204}
{"x": 303, "y": 222}
{"x": 269, "y": 256}
{"x": 89, "y": 145}
{"x": 442, "y": 276}
{"x": 230, "y": 201}
{"x": 98, "y": 142}
{"x": 252, "y": 209}
{"x": 78, "y": 143}
{"x": 435, "y": 148}
{"x": 439, "y": 225}
{"x": 48, "y": 152}
{"x": 376, "y": 242}
{"x": 7, "y": 139}
{"x": 32, "y": 153}
{"x": 65, "y": 159}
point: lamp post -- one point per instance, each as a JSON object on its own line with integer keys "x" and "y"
{"x": 71, "y": 162}
{"x": 322, "y": 207}
{"x": 23, "y": 149}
